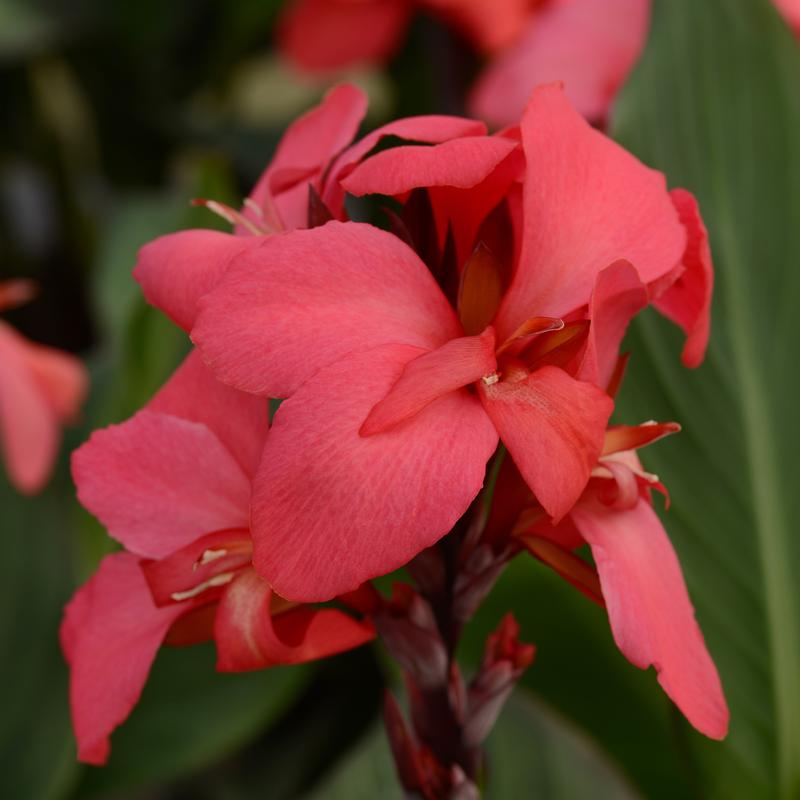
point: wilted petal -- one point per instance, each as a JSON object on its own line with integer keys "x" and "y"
{"x": 688, "y": 301}
{"x": 331, "y": 508}
{"x": 590, "y": 45}
{"x": 307, "y": 298}
{"x": 238, "y": 419}
{"x": 651, "y": 616}
{"x": 176, "y": 270}
{"x": 158, "y": 482}
{"x": 455, "y": 364}
{"x": 252, "y": 632}
{"x": 587, "y": 203}
{"x": 553, "y": 427}
{"x": 110, "y": 635}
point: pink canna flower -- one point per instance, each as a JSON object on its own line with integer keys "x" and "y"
{"x": 40, "y": 389}
{"x": 396, "y": 398}
{"x": 172, "y": 484}
{"x": 790, "y": 10}
{"x": 320, "y": 35}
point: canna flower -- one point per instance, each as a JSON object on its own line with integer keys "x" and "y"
{"x": 172, "y": 484}
{"x": 40, "y": 390}
{"x": 320, "y": 35}
{"x": 396, "y": 396}
{"x": 590, "y": 45}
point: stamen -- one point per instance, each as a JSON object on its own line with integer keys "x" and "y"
{"x": 233, "y": 217}
{"x": 209, "y": 556}
{"x": 490, "y": 380}
{"x": 216, "y": 580}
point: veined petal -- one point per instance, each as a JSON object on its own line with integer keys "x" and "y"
{"x": 651, "y": 616}
{"x": 688, "y": 301}
{"x": 307, "y": 298}
{"x": 158, "y": 482}
{"x": 553, "y": 427}
{"x": 590, "y": 45}
{"x": 617, "y": 297}
{"x": 455, "y": 364}
{"x": 176, "y": 270}
{"x": 587, "y": 204}
{"x": 332, "y": 509}
{"x": 28, "y": 423}
{"x": 252, "y": 632}
{"x": 239, "y": 420}
{"x": 461, "y": 163}
{"x": 110, "y": 635}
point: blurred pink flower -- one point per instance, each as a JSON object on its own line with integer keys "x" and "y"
{"x": 40, "y": 390}
{"x": 172, "y": 484}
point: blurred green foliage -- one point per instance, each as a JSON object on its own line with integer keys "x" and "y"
{"x": 115, "y": 115}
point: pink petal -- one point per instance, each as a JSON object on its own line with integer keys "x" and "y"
{"x": 461, "y": 163}
{"x": 631, "y": 437}
{"x": 176, "y": 270}
{"x": 651, "y": 616}
{"x": 332, "y": 509}
{"x": 587, "y": 204}
{"x": 790, "y": 9}
{"x": 320, "y": 35}
{"x": 28, "y": 423}
{"x": 431, "y": 129}
{"x": 61, "y": 377}
{"x": 307, "y": 148}
{"x": 617, "y": 297}
{"x": 590, "y": 45}
{"x": 437, "y": 372}
{"x": 307, "y": 298}
{"x": 688, "y": 301}
{"x": 553, "y": 427}
{"x": 158, "y": 482}
{"x": 488, "y": 25}
{"x": 110, "y": 635}
{"x": 237, "y": 419}
{"x": 252, "y": 632}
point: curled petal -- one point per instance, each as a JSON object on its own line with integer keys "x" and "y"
{"x": 110, "y": 635}
{"x": 687, "y": 302}
{"x": 331, "y": 508}
{"x": 651, "y": 616}
{"x": 617, "y": 297}
{"x": 252, "y": 631}
{"x": 553, "y": 427}
{"x": 632, "y": 437}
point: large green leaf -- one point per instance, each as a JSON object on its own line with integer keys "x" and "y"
{"x": 716, "y": 105}
{"x": 532, "y": 752}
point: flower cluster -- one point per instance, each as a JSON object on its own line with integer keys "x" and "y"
{"x": 481, "y": 325}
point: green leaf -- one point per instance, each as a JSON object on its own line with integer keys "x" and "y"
{"x": 190, "y": 716}
{"x": 37, "y": 758}
{"x": 532, "y": 752}
{"x": 715, "y": 105}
